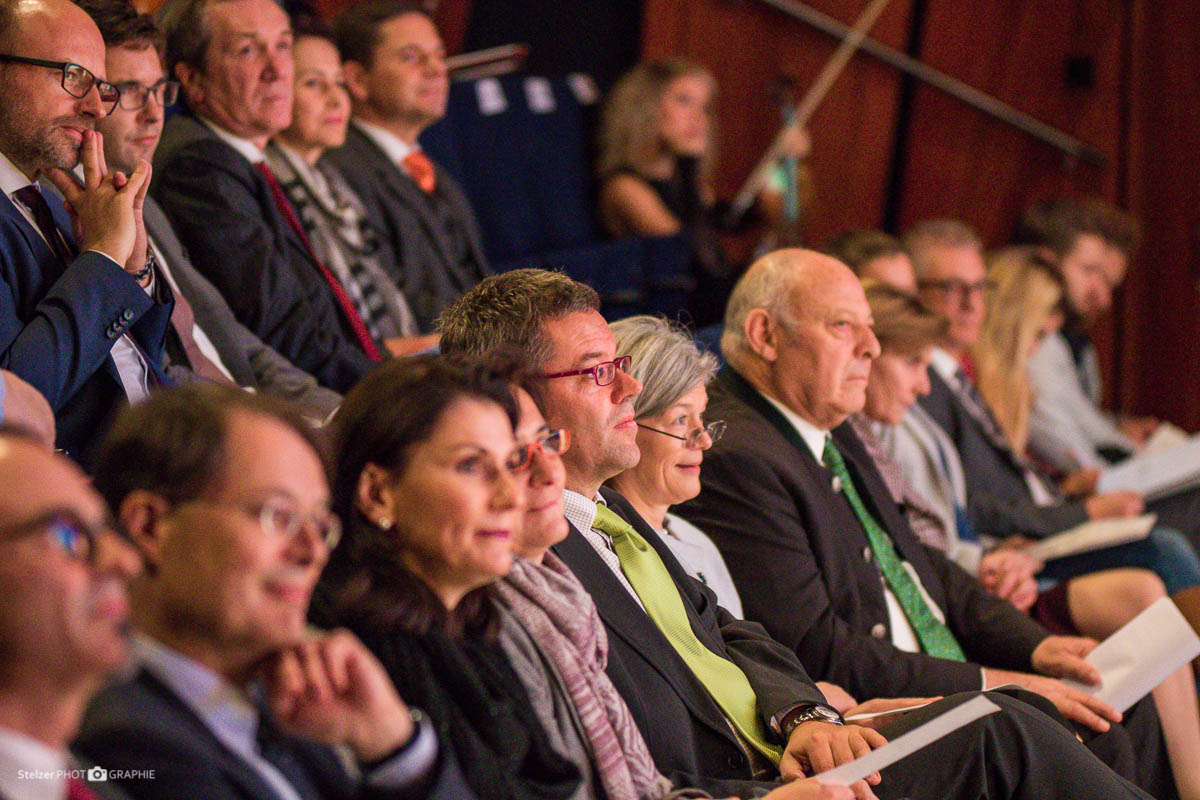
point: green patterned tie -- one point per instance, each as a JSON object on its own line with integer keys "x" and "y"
{"x": 936, "y": 639}
{"x": 725, "y": 682}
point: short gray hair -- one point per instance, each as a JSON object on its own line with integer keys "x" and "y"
{"x": 938, "y": 233}
{"x": 666, "y": 359}
{"x": 185, "y": 25}
{"x": 768, "y": 284}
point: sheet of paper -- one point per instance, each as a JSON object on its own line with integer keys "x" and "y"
{"x": 1165, "y": 437}
{"x": 1094, "y": 535}
{"x": 1156, "y": 474}
{"x": 860, "y": 717}
{"x": 909, "y": 743}
{"x": 1136, "y": 658}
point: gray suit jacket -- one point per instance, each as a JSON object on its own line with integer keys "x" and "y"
{"x": 250, "y": 361}
{"x": 426, "y": 232}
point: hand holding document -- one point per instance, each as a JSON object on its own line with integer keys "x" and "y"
{"x": 1094, "y": 535}
{"x": 1138, "y": 657}
{"x": 1156, "y": 473}
{"x": 908, "y": 743}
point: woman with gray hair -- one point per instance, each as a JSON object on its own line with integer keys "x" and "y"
{"x": 672, "y": 436}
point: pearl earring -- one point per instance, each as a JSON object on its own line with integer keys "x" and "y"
{"x": 384, "y": 523}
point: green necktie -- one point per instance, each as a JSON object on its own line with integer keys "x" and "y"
{"x": 725, "y": 682}
{"x": 936, "y": 639}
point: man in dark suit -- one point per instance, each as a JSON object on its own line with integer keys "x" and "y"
{"x": 820, "y": 553}
{"x": 63, "y": 615}
{"x": 205, "y": 338}
{"x": 395, "y": 69}
{"x": 83, "y": 322}
{"x": 225, "y": 496}
{"x": 228, "y": 210}
{"x": 693, "y": 731}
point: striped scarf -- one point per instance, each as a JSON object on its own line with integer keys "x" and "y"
{"x": 559, "y": 615}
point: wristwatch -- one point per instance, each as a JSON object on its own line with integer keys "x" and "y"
{"x": 808, "y": 714}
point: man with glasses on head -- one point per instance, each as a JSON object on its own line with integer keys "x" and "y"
{"x": 63, "y": 626}
{"x": 225, "y": 496}
{"x": 83, "y": 319}
{"x": 205, "y": 339}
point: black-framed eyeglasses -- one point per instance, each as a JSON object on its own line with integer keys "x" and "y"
{"x": 280, "y": 519}
{"x": 692, "y": 439}
{"x": 77, "y": 81}
{"x": 67, "y": 531}
{"x": 603, "y": 373}
{"x": 953, "y": 287}
{"x": 553, "y": 443}
{"x": 134, "y": 96}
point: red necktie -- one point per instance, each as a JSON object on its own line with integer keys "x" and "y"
{"x": 420, "y": 169}
{"x": 78, "y": 790}
{"x": 183, "y": 319}
{"x": 356, "y": 324}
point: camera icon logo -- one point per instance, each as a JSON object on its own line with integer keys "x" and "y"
{"x": 97, "y": 774}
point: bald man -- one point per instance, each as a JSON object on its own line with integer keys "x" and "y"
{"x": 82, "y": 320}
{"x": 63, "y": 614}
{"x": 821, "y": 555}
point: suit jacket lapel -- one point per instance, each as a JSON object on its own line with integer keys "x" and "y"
{"x": 409, "y": 195}
{"x": 238, "y": 771}
{"x": 625, "y": 618}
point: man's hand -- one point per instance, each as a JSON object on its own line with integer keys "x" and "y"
{"x": 1062, "y": 657}
{"x": 331, "y": 689}
{"x": 836, "y": 696}
{"x": 816, "y": 746}
{"x": 1137, "y": 428}
{"x": 106, "y": 208}
{"x": 882, "y": 704}
{"x": 24, "y": 406}
{"x": 1080, "y": 483}
{"x": 809, "y": 789}
{"x": 1008, "y": 574}
{"x": 1114, "y": 504}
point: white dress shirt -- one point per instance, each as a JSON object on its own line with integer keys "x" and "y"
{"x": 31, "y": 770}
{"x": 248, "y": 149}
{"x": 131, "y": 366}
{"x": 903, "y": 635}
{"x": 392, "y": 145}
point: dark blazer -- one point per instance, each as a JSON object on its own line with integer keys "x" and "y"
{"x": 998, "y": 499}
{"x": 58, "y": 325}
{"x": 143, "y": 725}
{"x": 250, "y": 361}
{"x": 685, "y": 730}
{"x": 804, "y": 568}
{"x": 435, "y": 238}
{"x": 223, "y": 212}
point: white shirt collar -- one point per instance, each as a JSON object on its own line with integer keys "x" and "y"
{"x": 29, "y": 769}
{"x": 945, "y": 365}
{"x": 248, "y": 149}
{"x": 224, "y": 708}
{"x": 580, "y": 511}
{"x": 391, "y": 144}
{"x": 813, "y": 436}
{"x": 11, "y": 178}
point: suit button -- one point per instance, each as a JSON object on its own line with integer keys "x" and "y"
{"x": 867, "y": 554}
{"x": 879, "y": 630}
{"x": 111, "y": 333}
{"x": 127, "y": 315}
{"x": 736, "y": 762}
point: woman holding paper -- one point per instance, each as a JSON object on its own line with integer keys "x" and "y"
{"x": 912, "y": 449}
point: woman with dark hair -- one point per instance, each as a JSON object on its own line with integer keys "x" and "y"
{"x": 331, "y": 214}
{"x": 425, "y": 485}
{"x": 512, "y": 673}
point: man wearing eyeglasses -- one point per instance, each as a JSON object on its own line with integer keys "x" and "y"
{"x": 824, "y": 560}
{"x": 234, "y": 61}
{"x": 225, "y": 496}
{"x": 63, "y": 614}
{"x": 205, "y": 339}
{"x": 81, "y": 319}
